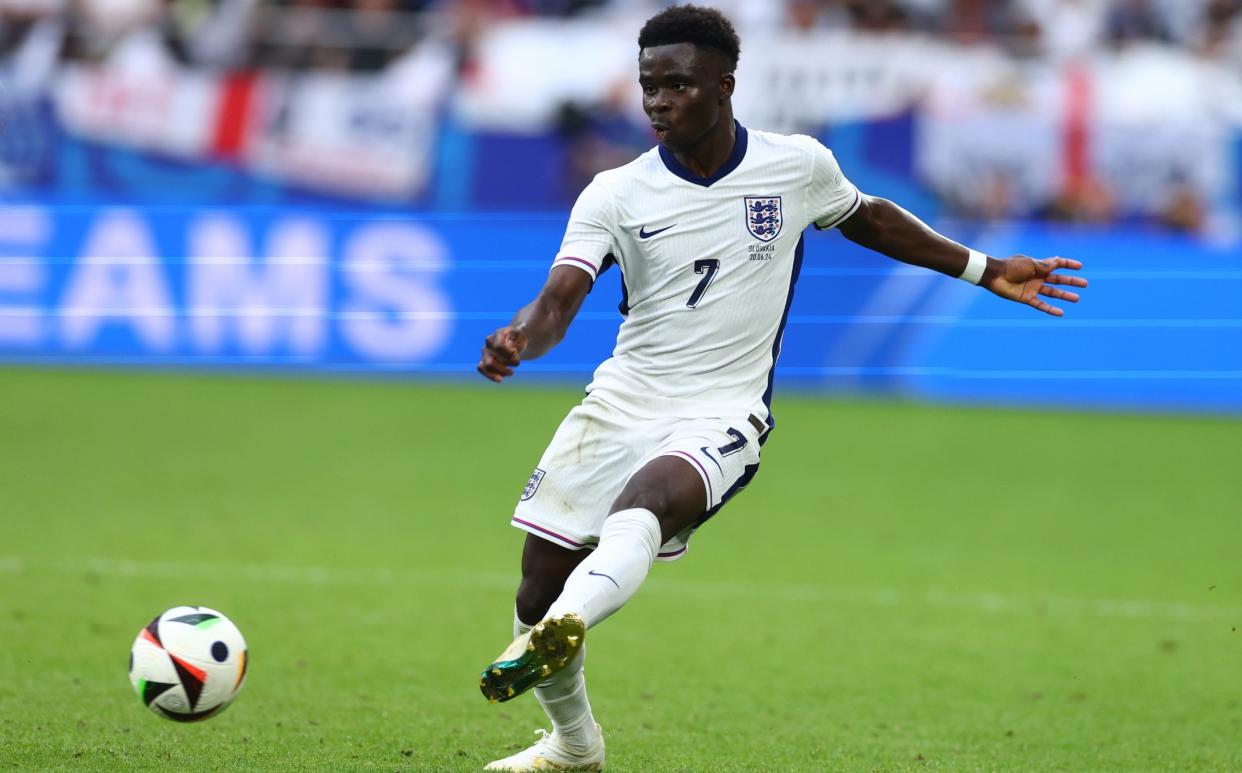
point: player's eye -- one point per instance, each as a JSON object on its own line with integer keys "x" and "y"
{"x": 680, "y": 87}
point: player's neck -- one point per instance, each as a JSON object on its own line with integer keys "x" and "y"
{"x": 713, "y": 150}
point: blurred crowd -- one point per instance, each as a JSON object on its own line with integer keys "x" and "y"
{"x": 1055, "y": 28}
{"x": 364, "y": 36}
{"x": 374, "y": 36}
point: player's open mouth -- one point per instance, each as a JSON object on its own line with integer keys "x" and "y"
{"x": 660, "y": 130}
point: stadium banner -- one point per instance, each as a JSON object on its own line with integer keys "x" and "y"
{"x": 1007, "y": 137}
{"x": 1145, "y": 129}
{"x": 370, "y": 292}
{"x": 371, "y": 137}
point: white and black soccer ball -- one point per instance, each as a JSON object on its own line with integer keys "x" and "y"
{"x": 188, "y": 664}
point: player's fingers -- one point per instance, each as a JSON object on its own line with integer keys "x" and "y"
{"x": 1045, "y": 308}
{"x": 1061, "y": 295}
{"x": 491, "y": 366}
{"x": 502, "y": 369}
{"x": 1062, "y": 279}
{"x": 507, "y": 340}
{"x": 489, "y": 376}
{"x": 1046, "y": 266}
{"x": 496, "y": 374}
{"x": 501, "y": 353}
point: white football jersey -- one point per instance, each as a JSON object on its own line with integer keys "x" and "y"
{"x": 708, "y": 269}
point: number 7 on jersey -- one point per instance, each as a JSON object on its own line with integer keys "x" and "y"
{"x": 708, "y": 268}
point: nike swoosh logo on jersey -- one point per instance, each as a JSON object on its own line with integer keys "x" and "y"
{"x": 606, "y": 577}
{"x": 643, "y": 233}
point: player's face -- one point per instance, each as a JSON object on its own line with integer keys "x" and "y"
{"x": 683, "y": 91}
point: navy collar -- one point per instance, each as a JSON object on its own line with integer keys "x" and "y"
{"x": 735, "y": 159}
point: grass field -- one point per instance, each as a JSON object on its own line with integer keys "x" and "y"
{"x": 902, "y": 588}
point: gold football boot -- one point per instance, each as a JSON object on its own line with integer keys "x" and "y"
{"x": 533, "y": 657}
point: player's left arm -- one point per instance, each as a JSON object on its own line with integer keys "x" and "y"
{"x": 881, "y": 225}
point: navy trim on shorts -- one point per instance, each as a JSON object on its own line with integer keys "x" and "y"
{"x": 707, "y": 479}
{"x": 748, "y": 474}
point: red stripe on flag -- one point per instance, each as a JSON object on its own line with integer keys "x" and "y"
{"x": 233, "y": 118}
{"x": 1077, "y": 125}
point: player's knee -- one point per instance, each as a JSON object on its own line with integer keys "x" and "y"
{"x": 534, "y": 596}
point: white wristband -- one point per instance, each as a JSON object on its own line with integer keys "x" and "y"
{"x": 974, "y": 267}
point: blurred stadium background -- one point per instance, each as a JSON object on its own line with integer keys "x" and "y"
{"x": 360, "y": 190}
{"x": 372, "y": 186}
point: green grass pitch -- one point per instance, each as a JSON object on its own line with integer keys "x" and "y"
{"x": 903, "y": 587}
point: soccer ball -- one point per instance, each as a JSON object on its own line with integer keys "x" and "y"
{"x": 188, "y": 664}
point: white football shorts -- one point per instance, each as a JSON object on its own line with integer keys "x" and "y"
{"x": 599, "y": 446}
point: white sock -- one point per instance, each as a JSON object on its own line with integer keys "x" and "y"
{"x": 564, "y": 699}
{"x": 607, "y": 578}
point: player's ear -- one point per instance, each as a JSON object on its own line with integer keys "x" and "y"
{"x": 727, "y": 84}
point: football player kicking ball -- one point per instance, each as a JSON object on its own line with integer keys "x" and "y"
{"x": 706, "y": 229}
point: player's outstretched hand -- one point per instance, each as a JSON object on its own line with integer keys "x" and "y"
{"x": 502, "y": 352}
{"x": 1024, "y": 280}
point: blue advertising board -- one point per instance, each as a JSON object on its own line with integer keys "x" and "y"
{"x": 364, "y": 291}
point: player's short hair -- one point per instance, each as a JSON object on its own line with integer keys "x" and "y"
{"x": 702, "y": 27}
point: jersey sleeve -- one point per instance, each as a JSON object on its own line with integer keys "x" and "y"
{"x": 589, "y": 235}
{"x": 831, "y": 198}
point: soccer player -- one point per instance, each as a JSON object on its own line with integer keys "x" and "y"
{"x": 706, "y": 229}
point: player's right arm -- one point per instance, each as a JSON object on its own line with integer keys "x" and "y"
{"x": 540, "y": 325}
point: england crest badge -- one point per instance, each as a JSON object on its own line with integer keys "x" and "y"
{"x": 763, "y": 217}
{"x": 532, "y": 485}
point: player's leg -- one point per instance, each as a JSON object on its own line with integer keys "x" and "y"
{"x": 698, "y": 468}
{"x": 576, "y": 742}
{"x": 665, "y": 495}
{"x": 545, "y": 567}
{"x": 562, "y": 510}
{"x": 590, "y": 459}
{"x": 663, "y": 499}
{"x": 533, "y": 656}
{"x": 670, "y": 488}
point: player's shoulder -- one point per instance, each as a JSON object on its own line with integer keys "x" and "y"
{"x": 790, "y": 144}
{"x": 645, "y": 165}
